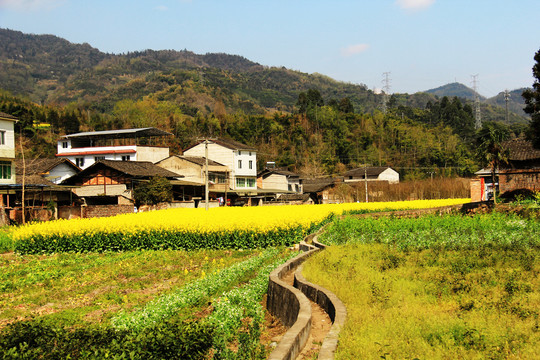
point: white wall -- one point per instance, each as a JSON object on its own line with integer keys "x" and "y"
{"x": 389, "y": 175}
{"x": 8, "y": 149}
{"x": 229, "y": 158}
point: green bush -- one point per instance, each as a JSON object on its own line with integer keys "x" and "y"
{"x": 42, "y": 339}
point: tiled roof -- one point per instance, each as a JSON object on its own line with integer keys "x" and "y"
{"x": 371, "y": 171}
{"x": 521, "y": 150}
{"x": 316, "y": 185}
{"x": 200, "y": 160}
{"x": 137, "y": 168}
{"x": 268, "y": 172}
{"x": 40, "y": 166}
{"x": 3, "y": 115}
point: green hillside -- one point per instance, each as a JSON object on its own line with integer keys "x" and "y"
{"x": 307, "y": 122}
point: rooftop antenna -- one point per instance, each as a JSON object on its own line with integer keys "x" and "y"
{"x": 477, "y": 114}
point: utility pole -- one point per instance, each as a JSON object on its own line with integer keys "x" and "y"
{"x": 206, "y": 174}
{"x": 386, "y": 90}
{"x": 506, "y": 98}
{"x": 365, "y": 179}
{"x": 477, "y": 114}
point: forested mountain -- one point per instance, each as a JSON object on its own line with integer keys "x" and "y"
{"x": 454, "y": 89}
{"x": 306, "y": 122}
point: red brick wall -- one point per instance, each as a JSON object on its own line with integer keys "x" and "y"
{"x": 510, "y": 180}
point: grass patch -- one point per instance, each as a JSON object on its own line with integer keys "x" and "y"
{"x": 6, "y": 243}
{"x": 82, "y": 288}
{"x": 462, "y": 293}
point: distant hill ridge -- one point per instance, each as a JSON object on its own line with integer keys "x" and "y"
{"x": 515, "y": 101}
{"x": 49, "y": 69}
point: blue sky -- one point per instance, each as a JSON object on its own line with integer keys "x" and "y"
{"x": 422, "y": 43}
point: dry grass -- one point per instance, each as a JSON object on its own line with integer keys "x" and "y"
{"x": 438, "y": 188}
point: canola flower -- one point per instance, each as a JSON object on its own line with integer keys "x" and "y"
{"x": 226, "y": 227}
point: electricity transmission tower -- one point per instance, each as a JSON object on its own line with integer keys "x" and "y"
{"x": 506, "y": 98}
{"x": 386, "y": 90}
{"x": 477, "y": 114}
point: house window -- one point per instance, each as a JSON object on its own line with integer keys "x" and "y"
{"x": 126, "y": 157}
{"x": 64, "y": 144}
{"x": 97, "y": 158}
{"x": 2, "y": 138}
{"x": 250, "y": 183}
{"x": 240, "y": 182}
{"x": 297, "y": 187}
{"x": 290, "y": 187}
{"x": 79, "y": 161}
{"x": 239, "y": 152}
{"x": 239, "y": 164}
{"x": 250, "y": 164}
{"x": 5, "y": 170}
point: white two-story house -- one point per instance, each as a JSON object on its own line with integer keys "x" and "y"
{"x": 7, "y": 148}
{"x": 85, "y": 148}
{"x": 241, "y": 159}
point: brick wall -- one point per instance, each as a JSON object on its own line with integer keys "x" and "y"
{"x": 71, "y": 212}
{"x": 106, "y": 210}
{"x": 510, "y": 180}
{"x": 476, "y": 190}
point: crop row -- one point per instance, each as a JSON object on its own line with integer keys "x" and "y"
{"x": 220, "y": 228}
{"x": 449, "y": 232}
{"x": 166, "y": 306}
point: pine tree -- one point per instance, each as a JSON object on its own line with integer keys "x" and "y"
{"x": 532, "y": 102}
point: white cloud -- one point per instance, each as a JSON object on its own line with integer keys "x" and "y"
{"x": 414, "y": 4}
{"x": 161, "y": 8}
{"x": 30, "y": 5}
{"x": 354, "y": 49}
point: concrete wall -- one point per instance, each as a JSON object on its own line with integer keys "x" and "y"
{"x": 152, "y": 153}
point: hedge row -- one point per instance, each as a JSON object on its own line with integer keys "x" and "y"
{"x": 161, "y": 239}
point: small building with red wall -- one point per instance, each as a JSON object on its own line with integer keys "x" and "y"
{"x": 523, "y": 169}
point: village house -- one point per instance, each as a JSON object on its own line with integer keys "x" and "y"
{"x": 37, "y": 182}
{"x": 279, "y": 181}
{"x": 239, "y": 158}
{"x": 193, "y": 169}
{"x": 321, "y": 190}
{"x": 85, "y": 148}
{"x": 110, "y": 182}
{"x": 7, "y": 148}
{"x": 482, "y": 186}
{"x": 522, "y": 173}
{"x": 373, "y": 173}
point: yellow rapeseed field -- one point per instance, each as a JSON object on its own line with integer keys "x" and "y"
{"x": 225, "y": 219}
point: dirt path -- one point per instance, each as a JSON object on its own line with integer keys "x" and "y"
{"x": 320, "y": 326}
